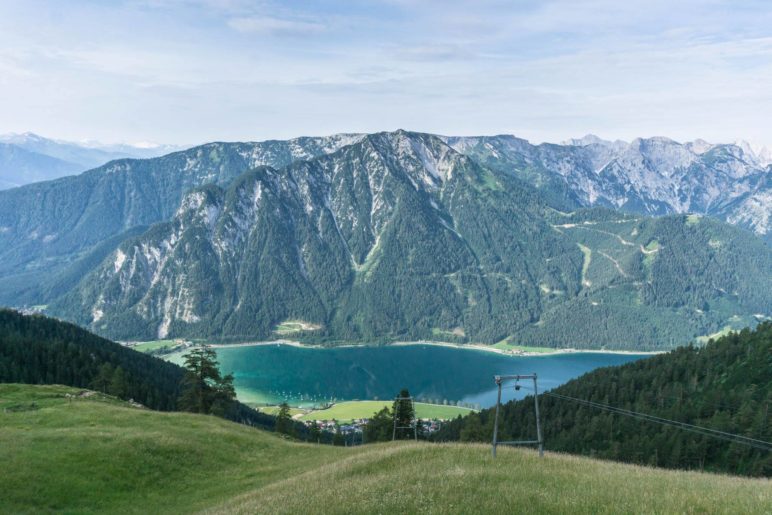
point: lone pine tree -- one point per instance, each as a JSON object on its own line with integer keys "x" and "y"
{"x": 204, "y": 389}
{"x": 283, "y": 419}
{"x": 404, "y": 415}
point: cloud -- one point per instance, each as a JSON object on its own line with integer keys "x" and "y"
{"x": 274, "y": 26}
{"x": 10, "y": 68}
{"x": 546, "y": 69}
{"x": 435, "y": 53}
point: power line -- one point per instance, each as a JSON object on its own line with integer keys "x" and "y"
{"x": 745, "y": 440}
{"x": 539, "y": 438}
{"x": 731, "y": 437}
{"x": 716, "y": 404}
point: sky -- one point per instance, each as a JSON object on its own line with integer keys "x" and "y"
{"x": 191, "y": 71}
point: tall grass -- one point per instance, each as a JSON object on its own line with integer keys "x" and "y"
{"x": 95, "y": 454}
{"x": 464, "y": 478}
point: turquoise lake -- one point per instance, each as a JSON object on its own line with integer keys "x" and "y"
{"x": 311, "y": 376}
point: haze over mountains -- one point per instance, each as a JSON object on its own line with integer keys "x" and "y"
{"x": 402, "y": 236}
{"x": 27, "y": 157}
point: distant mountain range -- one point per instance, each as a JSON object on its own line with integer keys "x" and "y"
{"x": 27, "y": 158}
{"x": 400, "y": 236}
{"x": 51, "y": 231}
{"x": 19, "y": 166}
{"x": 653, "y": 176}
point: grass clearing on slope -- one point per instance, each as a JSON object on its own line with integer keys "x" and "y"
{"x": 457, "y": 332}
{"x": 718, "y": 334}
{"x": 587, "y": 252}
{"x": 350, "y": 410}
{"x": 156, "y": 345}
{"x": 295, "y": 326}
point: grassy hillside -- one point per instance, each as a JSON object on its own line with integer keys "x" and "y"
{"x": 421, "y": 478}
{"x": 97, "y": 454}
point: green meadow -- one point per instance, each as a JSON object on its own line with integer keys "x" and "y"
{"x": 93, "y": 454}
{"x": 350, "y": 410}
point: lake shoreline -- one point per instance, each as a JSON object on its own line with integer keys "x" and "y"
{"x": 469, "y": 346}
{"x": 271, "y": 372}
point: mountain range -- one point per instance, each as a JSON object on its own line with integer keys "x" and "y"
{"x": 401, "y": 235}
{"x": 19, "y": 166}
{"x": 27, "y": 158}
{"x": 654, "y": 176}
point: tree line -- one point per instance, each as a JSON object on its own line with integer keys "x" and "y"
{"x": 725, "y": 385}
{"x": 40, "y": 350}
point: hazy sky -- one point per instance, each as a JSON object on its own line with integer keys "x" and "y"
{"x": 188, "y": 71}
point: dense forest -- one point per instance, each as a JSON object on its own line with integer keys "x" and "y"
{"x": 725, "y": 385}
{"x": 40, "y": 350}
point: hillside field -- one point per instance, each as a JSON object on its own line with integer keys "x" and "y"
{"x": 94, "y": 454}
{"x": 154, "y": 345}
{"x": 350, "y": 410}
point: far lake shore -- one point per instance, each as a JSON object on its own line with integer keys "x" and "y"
{"x": 283, "y": 370}
{"x": 473, "y": 346}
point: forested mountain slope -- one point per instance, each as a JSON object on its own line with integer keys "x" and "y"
{"x": 368, "y": 240}
{"x": 40, "y": 350}
{"x": 46, "y": 226}
{"x": 652, "y": 280}
{"x": 400, "y": 236}
{"x": 725, "y": 385}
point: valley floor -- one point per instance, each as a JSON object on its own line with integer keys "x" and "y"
{"x": 352, "y": 410}
{"x": 88, "y": 453}
{"x": 347, "y": 411}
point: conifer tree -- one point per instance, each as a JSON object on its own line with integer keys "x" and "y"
{"x": 404, "y": 413}
{"x": 314, "y": 434}
{"x": 118, "y": 384}
{"x": 103, "y": 378}
{"x": 204, "y": 390}
{"x": 283, "y": 419}
{"x": 338, "y": 439}
{"x": 379, "y": 427}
